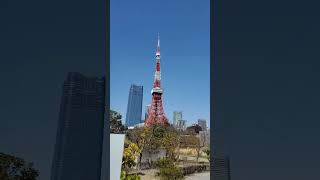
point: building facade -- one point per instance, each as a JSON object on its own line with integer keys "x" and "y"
{"x": 205, "y": 137}
{"x": 203, "y": 124}
{"x": 221, "y": 168}
{"x": 146, "y": 113}
{"x": 134, "y": 107}
{"x": 177, "y": 116}
{"x": 80, "y": 129}
{"x": 181, "y": 125}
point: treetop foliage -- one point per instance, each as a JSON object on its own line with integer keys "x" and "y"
{"x": 115, "y": 122}
{"x": 15, "y": 168}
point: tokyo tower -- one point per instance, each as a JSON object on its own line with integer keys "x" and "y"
{"x": 156, "y": 114}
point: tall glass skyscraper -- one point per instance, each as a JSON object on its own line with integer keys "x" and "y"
{"x": 78, "y": 147}
{"x": 134, "y": 108}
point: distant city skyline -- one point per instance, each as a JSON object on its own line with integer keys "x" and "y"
{"x": 185, "y": 49}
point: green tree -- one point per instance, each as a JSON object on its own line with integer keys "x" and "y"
{"x": 152, "y": 138}
{"x": 129, "y": 156}
{"x": 148, "y": 138}
{"x": 171, "y": 143}
{"x": 128, "y": 161}
{"x": 155, "y": 138}
{"x": 194, "y": 142}
{"x": 115, "y": 122}
{"x": 14, "y": 168}
{"x": 141, "y": 137}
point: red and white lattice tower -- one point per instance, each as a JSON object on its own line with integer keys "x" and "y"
{"x": 156, "y": 114}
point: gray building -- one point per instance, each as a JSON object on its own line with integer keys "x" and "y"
{"x": 181, "y": 125}
{"x": 146, "y": 112}
{"x": 177, "y": 116}
{"x": 134, "y": 107}
{"x": 221, "y": 168}
{"x": 205, "y": 137}
{"x": 203, "y": 124}
{"x": 80, "y": 129}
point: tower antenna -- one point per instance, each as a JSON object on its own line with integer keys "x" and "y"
{"x": 158, "y": 40}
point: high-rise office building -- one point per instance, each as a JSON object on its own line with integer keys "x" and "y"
{"x": 221, "y": 168}
{"x": 181, "y": 125}
{"x": 134, "y": 108}
{"x": 203, "y": 124}
{"x": 147, "y": 111}
{"x": 204, "y": 137}
{"x": 80, "y": 129}
{"x": 177, "y": 116}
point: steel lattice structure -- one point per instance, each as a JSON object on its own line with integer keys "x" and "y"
{"x": 156, "y": 113}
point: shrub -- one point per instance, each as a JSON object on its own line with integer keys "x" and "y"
{"x": 194, "y": 168}
{"x": 167, "y": 169}
{"x": 129, "y": 156}
{"x": 164, "y": 162}
{"x": 126, "y": 176}
{"x": 173, "y": 173}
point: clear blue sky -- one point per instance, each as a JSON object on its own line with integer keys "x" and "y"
{"x": 184, "y": 28}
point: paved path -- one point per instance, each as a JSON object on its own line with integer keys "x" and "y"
{"x": 199, "y": 176}
{"x": 149, "y": 174}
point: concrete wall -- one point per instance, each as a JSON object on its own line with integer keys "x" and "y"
{"x": 153, "y": 156}
{"x": 116, "y": 153}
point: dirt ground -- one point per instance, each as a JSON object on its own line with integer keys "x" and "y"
{"x": 149, "y": 175}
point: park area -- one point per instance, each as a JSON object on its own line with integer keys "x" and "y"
{"x": 163, "y": 152}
